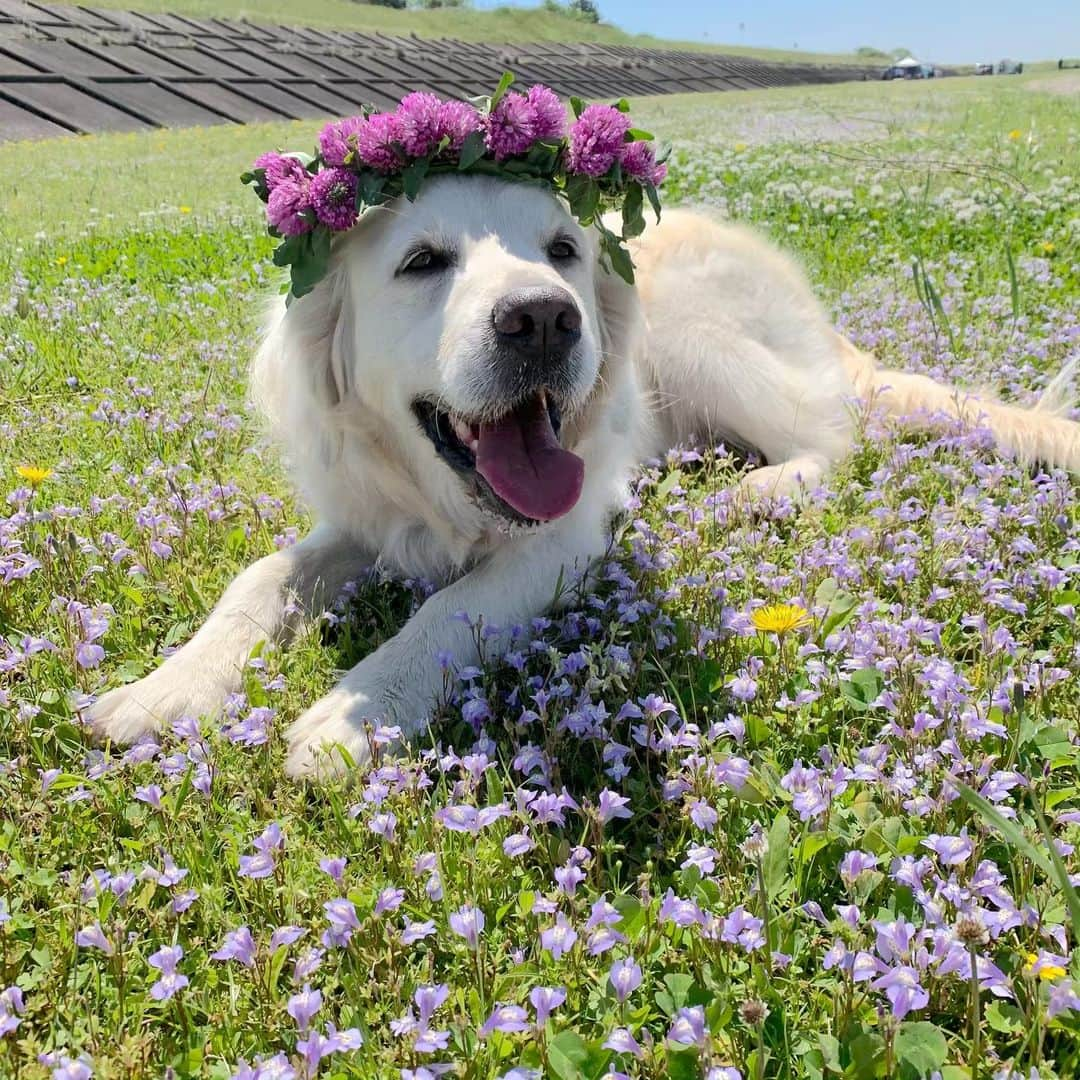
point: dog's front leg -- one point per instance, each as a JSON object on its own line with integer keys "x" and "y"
{"x": 265, "y": 603}
{"x": 399, "y": 683}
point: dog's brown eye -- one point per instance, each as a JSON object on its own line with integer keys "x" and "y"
{"x": 423, "y": 261}
{"x": 561, "y": 250}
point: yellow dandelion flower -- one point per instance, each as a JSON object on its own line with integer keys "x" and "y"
{"x": 34, "y": 475}
{"x": 185, "y": 209}
{"x": 1015, "y": 134}
{"x": 780, "y": 618}
{"x": 1049, "y": 247}
{"x": 740, "y": 147}
{"x": 61, "y": 260}
{"x": 1048, "y": 972}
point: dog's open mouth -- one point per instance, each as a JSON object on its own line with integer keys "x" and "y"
{"x": 516, "y": 458}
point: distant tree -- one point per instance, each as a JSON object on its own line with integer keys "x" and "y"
{"x": 388, "y": 3}
{"x": 586, "y": 10}
{"x": 899, "y": 53}
{"x": 870, "y": 51}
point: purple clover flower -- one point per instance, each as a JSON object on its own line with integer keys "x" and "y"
{"x": 511, "y": 126}
{"x": 337, "y": 141}
{"x": 375, "y": 141}
{"x": 333, "y": 197}
{"x": 549, "y": 113}
{"x": 596, "y": 139}
{"x": 638, "y": 161}
{"x": 420, "y": 123}
{"x": 278, "y": 168}
{"x": 289, "y": 208}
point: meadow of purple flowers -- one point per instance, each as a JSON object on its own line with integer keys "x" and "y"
{"x": 649, "y": 840}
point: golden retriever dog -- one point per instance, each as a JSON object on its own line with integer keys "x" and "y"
{"x": 465, "y": 397}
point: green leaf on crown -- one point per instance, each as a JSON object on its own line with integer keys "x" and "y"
{"x": 412, "y": 177}
{"x": 632, "y": 217}
{"x": 370, "y": 188}
{"x": 505, "y": 83}
{"x": 472, "y": 150}
{"x": 583, "y": 194}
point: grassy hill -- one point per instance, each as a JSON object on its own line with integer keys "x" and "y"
{"x": 508, "y": 24}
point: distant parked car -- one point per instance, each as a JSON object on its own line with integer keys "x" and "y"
{"x": 910, "y": 71}
{"x": 984, "y": 69}
{"x": 1010, "y": 67}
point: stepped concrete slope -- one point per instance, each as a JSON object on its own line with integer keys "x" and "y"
{"x": 67, "y": 70}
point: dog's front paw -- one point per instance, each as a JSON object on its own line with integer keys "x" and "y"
{"x": 337, "y": 731}
{"x": 177, "y": 688}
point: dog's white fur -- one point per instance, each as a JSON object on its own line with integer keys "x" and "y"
{"x": 721, "y": 338}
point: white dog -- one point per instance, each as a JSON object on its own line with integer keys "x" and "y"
{"x": 465, "y": 397}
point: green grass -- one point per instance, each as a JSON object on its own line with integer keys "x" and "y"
{"x": 131, "y": 270}
{"x": 502, "y": 24}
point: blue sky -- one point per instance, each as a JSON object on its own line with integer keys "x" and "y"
{"x": 941, "y": 30}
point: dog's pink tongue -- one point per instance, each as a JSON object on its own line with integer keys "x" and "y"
{"x": 520, "y": 457}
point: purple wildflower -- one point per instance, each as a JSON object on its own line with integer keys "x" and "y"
{"x": 334, "y": 867}
{"x": 11, "y": 1008}
{"x": 262, "y": 865}
{"x": 93, "y": 937}
{"x": 560, "y": 938}
{"x": 165, "y": 961}
{"x": 333, "y": 196}
{"x": 545, "y": 1000}
{"x": 902, "y": 988}
{"x": 688, "y": 1028}
{"x": 285, "y": 935}
{"x": 623, "y": 1042}
{"x": 951, "y": 850}
{"x": 468, "y": 922}
{"x": 611, "y": 805}
{"x": 854, "y": 864}
{"x": 341, "y": 915}
{"x": 506, "y": 1018}
{"x": 238, "y": 945}
{"x": 302, "y": 1007}
{"x": 625, "y": 978}
{"x": 596, "y": 139}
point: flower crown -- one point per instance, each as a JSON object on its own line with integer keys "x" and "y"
{"x": 596, "y": 164}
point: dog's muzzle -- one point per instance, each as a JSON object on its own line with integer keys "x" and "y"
{"x": 515, "y": 462}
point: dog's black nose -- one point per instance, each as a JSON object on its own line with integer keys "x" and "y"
{"x": 538, "y": 322}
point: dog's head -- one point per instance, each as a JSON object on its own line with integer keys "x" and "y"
{"x": 474, "y": 325}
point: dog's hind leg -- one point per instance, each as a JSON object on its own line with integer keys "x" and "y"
{"x": 265, "y": 603}
{"x": 741, "y": 392}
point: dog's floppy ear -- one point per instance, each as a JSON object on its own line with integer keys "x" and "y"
{"x": 619, "y": 313}
{"x": 300, "y": 374}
